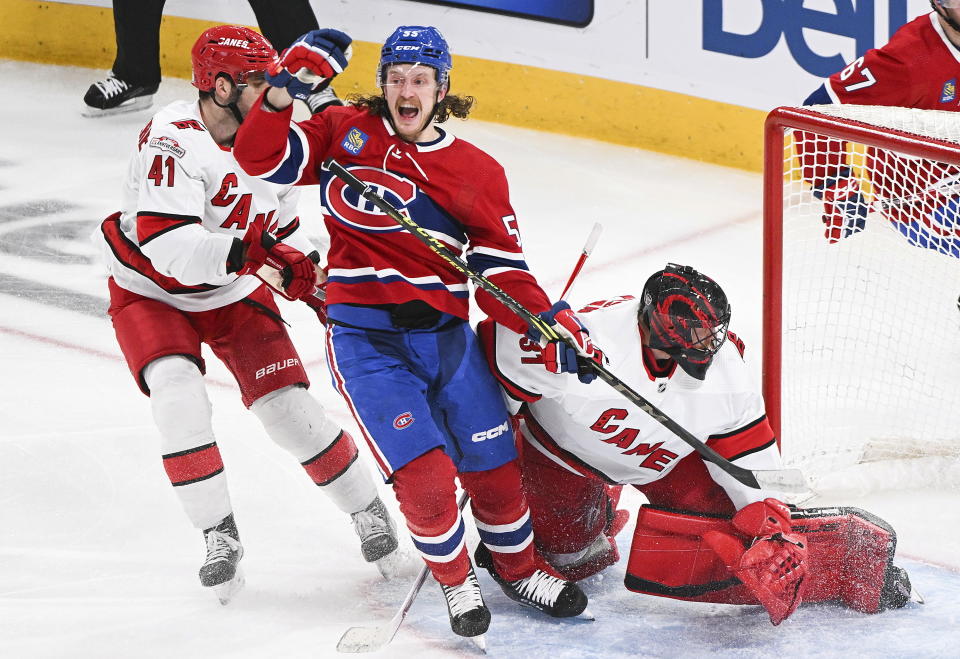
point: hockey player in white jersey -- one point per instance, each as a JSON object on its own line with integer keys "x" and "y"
{"x": 181, "y": 253}
{"x": 704, "y": 535}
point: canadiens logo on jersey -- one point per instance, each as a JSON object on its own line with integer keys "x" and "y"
{"x": 949, "y": 91}
{"x": 354, "y": 141}
{"x": 165, "y": 143}
{"x": 348, "y": 207}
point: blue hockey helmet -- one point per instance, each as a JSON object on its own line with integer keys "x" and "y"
{"x": 416, "y": 44}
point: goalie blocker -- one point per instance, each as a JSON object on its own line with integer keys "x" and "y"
{"x": 849, "y": 559}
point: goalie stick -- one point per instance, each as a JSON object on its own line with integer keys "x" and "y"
{"x": 788, "y": 481}
{"x": 587, "y": 250}
{"x": 371, "y": 639}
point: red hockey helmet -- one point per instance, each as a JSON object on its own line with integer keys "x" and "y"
{"x": 233, "y": 50}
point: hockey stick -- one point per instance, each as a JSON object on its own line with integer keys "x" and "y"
{"x": 780, "y": 480}
{"x": 587, "y": 250}
{"x": 371, "y": 639}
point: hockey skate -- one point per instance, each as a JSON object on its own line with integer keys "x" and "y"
{"x": 552, "y": 595}
{"x": 378, "y": 538}
{"x": 469, "y": 616}
{"x": 221, "y": 570}
{"x": 114, "y": 96}
{"x": 322, "y": 98}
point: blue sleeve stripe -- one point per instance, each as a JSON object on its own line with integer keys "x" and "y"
{"x": 483, "y": 262}
{"x": 289, "y": 169}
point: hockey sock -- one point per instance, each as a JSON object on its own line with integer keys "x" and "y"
{"x": 191, "y": 458}
{"x": 502, "y": 518}
{"x": 426, "y": 492}
{"x": 298, "y": 423}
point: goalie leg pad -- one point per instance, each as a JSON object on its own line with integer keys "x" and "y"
{"x": 575, "y": 519}
{"x": 669, "y": 558}
{"x": 851, "y": 559}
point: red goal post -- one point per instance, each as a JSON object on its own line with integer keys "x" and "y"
{"x": 861, "y": 335}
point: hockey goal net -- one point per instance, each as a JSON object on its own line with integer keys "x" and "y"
{"x": 861, "y": 322}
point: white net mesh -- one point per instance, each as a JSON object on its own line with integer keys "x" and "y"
{"x": 871, "y": 324}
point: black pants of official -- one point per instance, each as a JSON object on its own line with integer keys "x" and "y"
{"x": 137, "y": 24}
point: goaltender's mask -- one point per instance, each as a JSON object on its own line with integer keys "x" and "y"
{"x": 687, "y": 315}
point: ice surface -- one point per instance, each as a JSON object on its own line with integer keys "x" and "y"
{"x": 96, "y": 557}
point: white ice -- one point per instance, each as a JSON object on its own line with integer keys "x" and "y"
{"x": 98, "y": 560}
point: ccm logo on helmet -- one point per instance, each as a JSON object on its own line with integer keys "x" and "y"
{"x": 238, "y": 43}
{"x": 492, "y": 433}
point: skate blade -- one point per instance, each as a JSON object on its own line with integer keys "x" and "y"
{"x": 480, "y": 641}
{"x": 916, "y": 597}
{"x": 133, "y": 105}
{"x": 226, "y": 591}
{"x": 587, "y": 614}
{"x": 397, "y": 564}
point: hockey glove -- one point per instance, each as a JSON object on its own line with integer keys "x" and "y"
{"x": 259, "y": 247}
{"x": 774, "y": 566}
{"x": 844, "y": 208}
{"x": 318, "y": 299}
{"x": 315, "y": 57}
{"x": 559, "y": 356}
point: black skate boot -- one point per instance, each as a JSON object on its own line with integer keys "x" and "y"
{"x": 469, "y": 616}
{"x": 552, "y": 595}
{"x": 322, "y": 98}
{"x": 113, "y": 96}
{"x": 221, "y": 570}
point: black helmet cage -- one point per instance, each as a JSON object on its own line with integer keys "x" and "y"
{"x": 687, "y": 315}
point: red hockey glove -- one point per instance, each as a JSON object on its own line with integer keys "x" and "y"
{"x": 560, "y": 356}
{"x": 773, "y": 567}
{"x": 297, "y": 270}
{"x": 844, "y": 208}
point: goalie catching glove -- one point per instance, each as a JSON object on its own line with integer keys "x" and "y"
{"x": 773, "y": 566}
{"x": 558, "y": 355}
{"x": 259, "y": 247}
{"x": 316, "y": 57}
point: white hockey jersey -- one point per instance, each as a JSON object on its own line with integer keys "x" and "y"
{"x": 184, "y": 201}
{"x": 592, "y": 430}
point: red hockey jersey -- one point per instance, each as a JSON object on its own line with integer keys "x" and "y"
{"x": 451, "y": 188}
{"x": 918, "y": 68}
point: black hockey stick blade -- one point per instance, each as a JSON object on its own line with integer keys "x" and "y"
{"x": 787, "y": 481}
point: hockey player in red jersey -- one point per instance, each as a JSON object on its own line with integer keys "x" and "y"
{"x": 399, "y": 347}
{"x": 918, "y": 68}
{"x": 703, "y": 535}
{"x": 181, "y": 253}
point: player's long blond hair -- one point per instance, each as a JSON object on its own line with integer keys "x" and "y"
{"x": 451, "y": 105}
